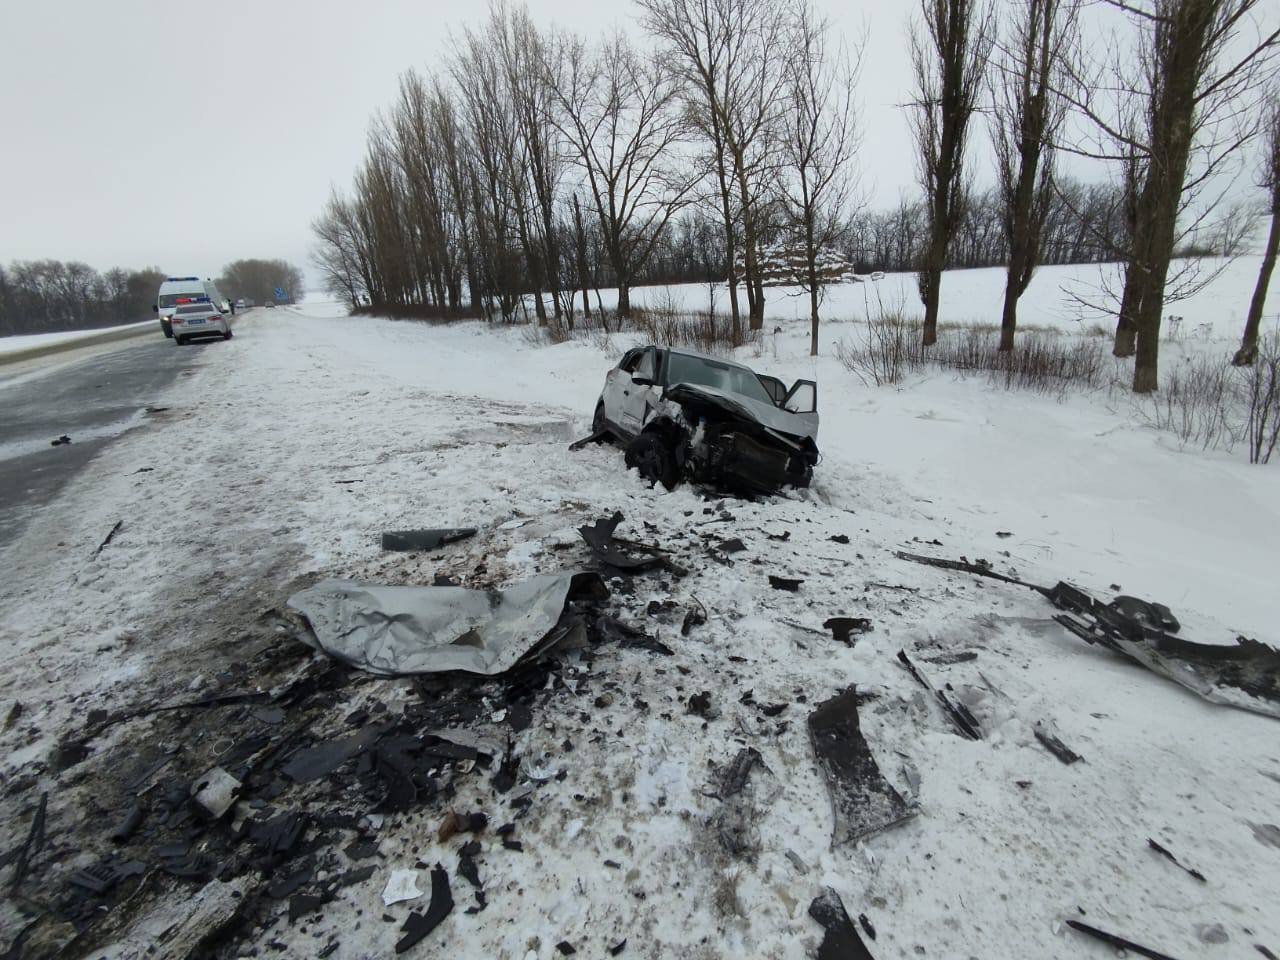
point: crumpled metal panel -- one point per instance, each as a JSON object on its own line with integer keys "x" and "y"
{"x": 399, "y": 630}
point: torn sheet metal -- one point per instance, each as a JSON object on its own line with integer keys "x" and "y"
{"x": 862, "y": 800}
{"x": 394, "y": 631}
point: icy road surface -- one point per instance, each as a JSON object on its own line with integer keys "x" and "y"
{"x": 310, "y": 434}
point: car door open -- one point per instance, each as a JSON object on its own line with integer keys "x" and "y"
{"x": 802, "y": 397}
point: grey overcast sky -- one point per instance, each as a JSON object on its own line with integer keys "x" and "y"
{"x": 187, "y": 134}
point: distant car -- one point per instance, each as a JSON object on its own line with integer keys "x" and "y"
{"x": 240, "y": 304}
{"x": 269, "y": 303}
{"x": 199, "y": 320}
{"x": 685, "y": 415}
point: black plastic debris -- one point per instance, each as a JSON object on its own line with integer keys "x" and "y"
{"x": 867, "y": 928}
{"x": 290, "y": 884}
{"x": 700, "y": 705}
{"x": 598, "y": 436}
{"x": 565, "y": 948}
{"x": 1155, "y": 616}
{"x": 734, "y": 776}
{"x": 312, "y": 763}
{"x": 843, "y": 628}
{"x": 101, "y": 877}
{"x": 732, "y": 545}
{"x": 505, "y": 777}
{"x": 1168, "y": 855}
{"x": 467, "y": 867}
{"x": 611, "y": 628}
{"x": 981, "y": 568}
{"x": 608, "y": 549}
{"x": 418, "y": 925}
{"x": 618, "y": 947}
{"x": 964, "y": 721}
{"x": 1265, "y": 952}
{"x": 862, "y": 800}
{"x": 960, "y": 656}
{"x": 1120, "y": 943}
{"x": 839, "y": 538}
{"x": 110, "y": 536}
{"x": 840, "y": 939}
{"x": 415, "y": 540}
{"x": 62, "y": 441}
{"x": 130, "y": 822}
{"x": 784, "y": 583}
{"x": 361, "y": 849}
{"x": 1056, "y": 746}
{"x": 34, "y": 843}
{"x": 278, "y": 835}
{"x": 694, "y": 617}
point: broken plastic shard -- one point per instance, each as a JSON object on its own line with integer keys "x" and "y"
{"x": 401, "y": 885}
{"x": 843, "y": 628}
{"x": 1055, "y": 745}
{"x": 312, "y": 763}
{"x": 394, "y": 631}
{"x": 840, "y": 939}
{"x": 413, "y": 540}
{"x": 1120, "y": 943}
{"x": 599, "y": 537}
{"x": 784, "y": 583}
{"x": 862, "y": 800}
{"x": 216, "y": 791}
{"x": 418, "y": 925}
{"x": 959, "y": 715}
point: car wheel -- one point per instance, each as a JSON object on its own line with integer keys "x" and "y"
{"x": 654, "y": 459}
{"x": 598, "y": 422}
{"x": 177, "y": 340}
{"x": 227, "y": 335}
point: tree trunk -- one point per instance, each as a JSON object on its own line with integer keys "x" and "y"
{"x": 1009, "y": 319}
{"x": 582, "y": 256}
{"x": 1249, "y": 342}
{"x": 1130, "y": 306}
{"x": 624, "y": 299}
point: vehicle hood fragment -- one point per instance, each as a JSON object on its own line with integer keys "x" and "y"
{"x": 402, "y": 630}
{"x": 774, "y": 419}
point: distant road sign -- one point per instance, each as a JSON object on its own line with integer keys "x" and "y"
{"x": 281, "y": 295}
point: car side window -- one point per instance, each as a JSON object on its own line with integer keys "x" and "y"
{"x": 628, "y": 364}
{"x": 647, "y": 368}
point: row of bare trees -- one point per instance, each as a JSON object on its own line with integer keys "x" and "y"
{"x": 46, "y": 296}
{"x": 1167, "y": 94}
{"x": 535, "y": 165}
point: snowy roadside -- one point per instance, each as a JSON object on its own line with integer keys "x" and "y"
{"x": 288, "y": 450}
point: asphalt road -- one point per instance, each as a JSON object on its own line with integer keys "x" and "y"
{"x": 94, "y": 400}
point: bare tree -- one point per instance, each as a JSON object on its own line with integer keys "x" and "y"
{"x": 1269, "y": 180}
{"x": 617, "y": 108}
{"x": 818, "y": 139}
{"x": 729, "y": 53}
{"x": 950, "y": 47}
{"x": 1025, "y": 118}
{"x": 1177, "y": 113}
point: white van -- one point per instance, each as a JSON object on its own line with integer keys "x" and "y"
{"x": 180, "y": 291}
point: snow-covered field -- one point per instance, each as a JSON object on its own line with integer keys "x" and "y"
{"x": 977, "y": 296}
{"x": 431, "y": 426}
{"x": 31, "y": 341}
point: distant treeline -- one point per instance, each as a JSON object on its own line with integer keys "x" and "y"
{"x": 47, "y": 296}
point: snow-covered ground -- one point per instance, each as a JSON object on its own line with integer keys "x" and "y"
{"x": 30, "y": 341}
{"x": 241, "y": 501}
{"x": 977, "y": 296}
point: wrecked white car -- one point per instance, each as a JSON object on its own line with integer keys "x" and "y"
{"x": 687, "y": 416}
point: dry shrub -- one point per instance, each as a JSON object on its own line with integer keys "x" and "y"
{"x": 419, "y": 311}
{"x": 888, "y": 347}
{"x": 1262, "y": 391}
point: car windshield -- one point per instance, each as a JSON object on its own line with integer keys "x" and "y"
{"x": 682, "y": 368}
